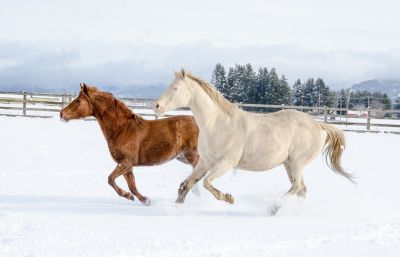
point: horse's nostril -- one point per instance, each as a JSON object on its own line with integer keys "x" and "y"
{"x": 157, "y": 106}
{"x": 61, "y": 115}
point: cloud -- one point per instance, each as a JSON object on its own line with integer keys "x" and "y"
{"x": 62, "y": 66}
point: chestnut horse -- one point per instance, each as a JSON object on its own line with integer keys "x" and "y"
{"x": 132, "y": 140}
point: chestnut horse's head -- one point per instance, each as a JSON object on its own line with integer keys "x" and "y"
{"x": 80, "y": 107}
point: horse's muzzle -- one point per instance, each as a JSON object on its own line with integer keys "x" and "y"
{"x": 158, "y": 110}
{"x": 63, "y": 118}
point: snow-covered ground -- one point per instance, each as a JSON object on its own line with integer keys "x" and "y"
{"x": 55, "y": 201}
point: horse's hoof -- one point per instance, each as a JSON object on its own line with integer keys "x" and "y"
{"x": 229, "y": 198}
{"x": 180, "y": 199}
{"x": 146, "y": 201}
{"x": 129, "y": 196}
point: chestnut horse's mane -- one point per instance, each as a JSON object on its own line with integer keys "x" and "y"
{"x": 111, "y": 103}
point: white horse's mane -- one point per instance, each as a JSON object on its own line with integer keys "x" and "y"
{"x": 213, "y": 93}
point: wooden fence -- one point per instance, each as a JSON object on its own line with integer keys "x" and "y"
{"x": 48, "y": 105}
{"x": 330, "y": 115}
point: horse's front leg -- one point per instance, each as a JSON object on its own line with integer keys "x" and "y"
{"x": 130, "y": 179}
{"x": 198, "y": 173}
{"x": 219, "y": 169}
{"x": 118, "y": 171}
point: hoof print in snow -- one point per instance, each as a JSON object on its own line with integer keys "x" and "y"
{"x": 274, "y": 209}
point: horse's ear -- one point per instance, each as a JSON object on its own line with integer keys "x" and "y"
{"x": 81, "y": 84}
{"x": 84, "y": 88}
{"x": 180, "y": 74}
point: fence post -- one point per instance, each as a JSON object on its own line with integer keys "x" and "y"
{"x": 283, "y": 106}
{"x": 325, "y": 114}
{"x": 24, "y": 103}
{"x": 63, "y": 98}
{"x": 369, "y": 118}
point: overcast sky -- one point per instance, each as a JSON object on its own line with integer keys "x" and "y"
{"x": 59, "y": 43}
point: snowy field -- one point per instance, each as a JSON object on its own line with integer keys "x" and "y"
{"x": 55, "y": 201}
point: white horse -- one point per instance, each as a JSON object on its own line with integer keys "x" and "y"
{"x": 232, "y": 138}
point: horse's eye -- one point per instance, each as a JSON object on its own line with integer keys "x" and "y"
{"x": 78, "y": 101}
{"x": 175, "y": 88}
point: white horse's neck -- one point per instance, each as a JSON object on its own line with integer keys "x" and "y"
{"x": 206, "y": 112}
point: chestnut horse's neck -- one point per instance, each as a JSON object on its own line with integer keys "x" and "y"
{"x": 113, "y": 115}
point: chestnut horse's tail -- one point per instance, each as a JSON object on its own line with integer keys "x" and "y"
{"x": 334, "y": 146}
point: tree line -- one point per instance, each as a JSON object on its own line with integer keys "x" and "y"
{"x": 242, "y": 84}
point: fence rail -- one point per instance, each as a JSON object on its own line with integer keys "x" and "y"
{"x": 45, "y": 105}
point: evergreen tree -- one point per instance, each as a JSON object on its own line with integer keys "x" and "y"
{"x": 321, "y": 93}
{"x": 364, "y": 99}
{"x": 273, "y": 94}
{"x": 239, "y": 88}
{"x": 386, "y": 102}
{"x": 342, "y": 101}
{"x": 284, "y": 91}
{"x": 262, "y": 86}
{"x": 242, "y": 84}
{"x": 396, "y": 105}
{"x": 331, "y": 98}
{"x": 250, "y": 85}
{"x": 309, "y": 95}
{"x": 298, "y": 93}
{"x": 218, "y": 78}
{"x": 359, "y": 99}
{"x": 230, "y": 84}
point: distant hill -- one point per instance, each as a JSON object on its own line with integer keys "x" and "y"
{"x": 388, "y": 86}
{"x": 144, "y": 92}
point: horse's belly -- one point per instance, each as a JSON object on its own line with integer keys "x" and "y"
{"x": 261, "y": 160}
{"x": 256, "y": 166}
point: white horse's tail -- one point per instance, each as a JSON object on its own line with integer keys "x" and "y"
{"x": 334, "y": 146}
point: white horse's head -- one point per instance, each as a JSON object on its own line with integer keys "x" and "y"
{"x": 177, "y": 95}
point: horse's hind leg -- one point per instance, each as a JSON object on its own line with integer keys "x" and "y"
{"x": 199, "y": 171}
{"x": 189, "y": 157}
{"x": 217, "y": 171}
{"x": 303, "y": 191}
{"x": 287, "y": 168}
{"x": 130, "y": 179}
{"x": 295, "y": 174}
{"x": 192, "y": 157}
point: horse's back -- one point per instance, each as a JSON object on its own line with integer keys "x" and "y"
{"x": 285, "y": 120}
{"x": 182, "y": 128}
{"x": 299, "y": 126}
{"x": 272, "y": 137}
